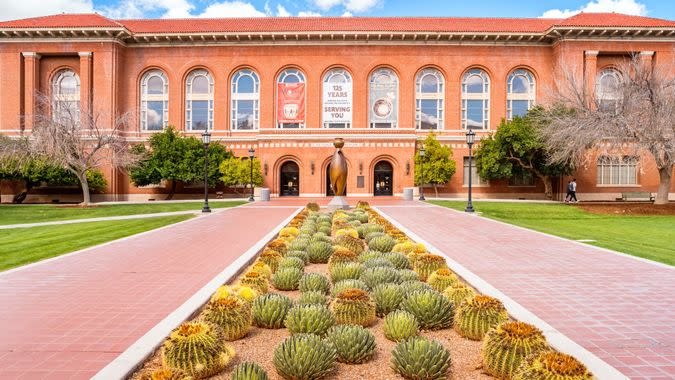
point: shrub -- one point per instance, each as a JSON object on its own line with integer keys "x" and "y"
{"x": 551, "y": 365}
{"x": 399, "y": 325}
{"x": 319, "y": 252}
{"x": 196, "y": 348}
{"x": 432, "y": 309}
{"x": 419, "y": 358}
{"x": 348, "y": 284}
{"x": 375, "y": 276}
{"x": 309, "y": 319}
{"x": 427, "y": 263}
{"x": 287, "y": 278}
{"x": 476, "y": 315}
{"x": 269, "y": 310}
{"x": 312, "y": 298}
{"x": 354, "y": 344}
{"x": 345, "y": 271}
{"x": 440, "y": 279}
{"x": 354, "y": 307}
{"x": 292, "y": 262}
{"x": 506, "y": 345}
{"x": 383, "y": 243}
{"x": 255, "y": 280}
{"x": 387, "y": 298}
{"x": 249, "y": 371}
{"x": 231, "y": 314}
{"x": 314, "y": 281}
{"x": 304, "y": 357}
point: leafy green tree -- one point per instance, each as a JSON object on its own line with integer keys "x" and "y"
{"x": 236, "y": 172}
{"x": 172, "y": 157}
{"x": 438, "y": 166}
{"x": 516, "y": 148}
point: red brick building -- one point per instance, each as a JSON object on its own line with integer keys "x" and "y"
{"x": 288, "y": 86}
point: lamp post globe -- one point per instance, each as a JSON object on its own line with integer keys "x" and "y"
{"x": 206, "y": 140}
{"x": 422, "y": 153}
{"x": 251, "y": 155}
{"x": 470, "y": 138}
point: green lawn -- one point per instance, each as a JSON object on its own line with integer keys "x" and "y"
{"x": 651, "y": 237}
{"x": 17, "y": 214}
{"x": 20, "y": 246}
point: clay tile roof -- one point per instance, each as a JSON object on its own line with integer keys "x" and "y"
{"x": 63, "y": 20}
{"x": 614, "y": 20}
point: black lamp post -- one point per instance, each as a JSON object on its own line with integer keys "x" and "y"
{"x": 251, "y": 153}
{"x": 470, "y": 136}
{"x": 422, "y": 173}
{"x": 206, "y": 139}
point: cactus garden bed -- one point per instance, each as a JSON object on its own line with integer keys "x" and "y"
{"x": 346, "y": 295}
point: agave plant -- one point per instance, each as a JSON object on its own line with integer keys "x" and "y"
{"x": 319, "y": 252}
{"x": 399, "y": 325}
{"x": 377, "y": 262}
{"x": 432, "y": 309}
{"x": 380, "y": 275}
{"x": 197, "y": 349}
{"x": 292, "y": 262}
{"x": 419, "y": 358}
{"x": 287, "y": 278}
{"x": 314, "y": 281}
{"x": 387, "y": 298}
{"x": 408, "y": 275}
{"x": 309, "y": 319}
{"x": 312, "y": 298}
{"x": 299, "y": 254}
{"x": 507, "y": 345}
{"x": 304, "y": 357}
{"x": 354, "y": 344}
{"x": 551, "y": 365}
{"x": 412, "y": 286}
{"x": 399, "y": 260}
{"x": 345, "y": 271}
{"x": 382, "y": 243}
{"x": 269, "y": 310}
{"x": 249, "y": 371}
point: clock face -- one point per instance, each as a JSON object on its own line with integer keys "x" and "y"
{"x": 382, "y": 108}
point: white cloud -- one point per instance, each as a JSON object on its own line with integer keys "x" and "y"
{"x": 282, "y": 12}
{"x": 347, "y": 14}
{"x": 350, "y": 5}
{"x": 327, "y": 4}
{"x": 629, "y": 7}
{"x": 12, "y": 10}
{"x": 308, "y": 14}
{"x": 231, "y": 9}
{"x": 140, "y": 8}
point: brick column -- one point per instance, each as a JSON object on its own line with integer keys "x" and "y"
{"x": 590, "y": 70}
{"x": 30, "y": 87}
{"x": 647, "y": 57}
{"x": 86, "y": 82}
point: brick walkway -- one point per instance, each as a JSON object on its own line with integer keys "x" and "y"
{"x": 619, "y": 308}
{"x": 70, "y": 317}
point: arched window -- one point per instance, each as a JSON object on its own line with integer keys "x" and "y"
{"x": 520, "y": 93}
{"x": 245, "y": 100}
{"x": 607, "y": 89}
{"x": 154, "y": 101}
{"x": 66, "y": 96}
{"x": 199, "y": 101}
{"x": 383, "y": 99}
{"x": 429, "y": 92}
{"x": 337, "y": 99}
{"x": 291, "y": 99}
{"x": 617, "y": 171}
{"x": 475, "y": 100}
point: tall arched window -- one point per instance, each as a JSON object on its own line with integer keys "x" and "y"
{"x": 66, "y": 96}
{"x": 383, "y": 99}
{"x": 291, "y": 99}
{"x": 475, "y": 100}
{"x": 199, "y": 101}
{"x": 245, "y": 100}
{"x": 154, "y": 101}
{"x": 429, "y": 92}
{"x": 337, "y": 99}
{"x": 607, "y": 89}
{"x": 520, "y": 93}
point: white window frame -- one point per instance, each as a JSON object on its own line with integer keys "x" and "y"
{"x": 529, "y": 96}
{"x": 146, "y": 97}
{"x": 239, "y": 96}
{"x": 615, "y": 171}
{"x": 287, "y": 73}
{"x": 190, "y": 97}
{"x": 332, "y": 73}
{"x": 65, "y": 100}
{"x": 606, "y": 98}
{"x": 475, "y": 178}
{"x": 392, "y": 73}
{"x": 439, "y": 97}
{"x": 482, "y": 96}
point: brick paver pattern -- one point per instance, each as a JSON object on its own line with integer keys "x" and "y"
{"x": 70, "y": 317}
{"x": 619, "y": 308}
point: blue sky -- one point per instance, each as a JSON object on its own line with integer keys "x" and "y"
{"x": 12, "y": 9}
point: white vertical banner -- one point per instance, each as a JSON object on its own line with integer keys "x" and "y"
{"x": 337, "y": 102}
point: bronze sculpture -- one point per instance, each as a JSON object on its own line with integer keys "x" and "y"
{"x": 338, "y": 169}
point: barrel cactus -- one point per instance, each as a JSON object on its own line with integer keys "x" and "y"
{"x": 354, "y": 344}
{"x": 319, "y": 252}
{"x": 287, "y": 278}
{"x": 341, "y": 255}
{"x": 312, "y": 298}
{"x": 458, "y": 292}
{"x": 304, "y": 357}
{"x": 196, "y": 348}
{"x": 309, "y": 319}
{"x": 440, "y": 279}
{"x": 255, "y": 280}
{"x": 399, "y": 325}
{"x": 387, "y": 298}
{"x": 314, "y": 281}
{"x": 269, "y": 310}
{"x": 345, "y": 271}
{"x": 249, "y": 371}
{"x": 408, "y": 275}
{"x": 263, "y": 268}
{"x": 432, "y": 309}
{"x": 165, "y": 374}
{"x": 399, "y": 260}
{"x": 348, "y": 284}
{"x": 551, "y": 365}
{"x": 312, "y": 206}
{"x": 289, "y": 231}
{"x": 353, "y": 244}
{"x": 231, "y": 314}
{"x": 346, "y": 231}
{"x": 408, "y": 247}
{"x": 299, "y": 254}
{"x": 506, "y": 345}
{"x": 375, "y": 276}
{"x": 377, "y": 262}
{"x": 279, "y": 244}
{"x": 271, "y": 258}
{"x": 292, "y": 262}
{"x": 476, "y": 315}
{"x": 428, "y": 263}
{"x": 409, "y": 287}
{"x": 355, "y": 307}
{"x": 383, "y": 243}
{"x": 419, "y": 358}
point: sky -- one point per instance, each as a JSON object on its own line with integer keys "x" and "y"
{"x": 14, "y": 9}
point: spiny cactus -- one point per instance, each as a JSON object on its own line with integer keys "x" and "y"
{"x": 551, "y": 365}
{"x": 408, "y": 247}
{"x": 412, "y": 286}
{"x": 309, "y": 319}
{"x": 372, "y": 235}
{"x": 440, "y": 279}
{"x": 377, "y": 262}
{"x": 320, "y": 236}
{"x": 380, "y": 275}
{"x": 291, "y": 262}
{"x": 341, "y": 255}
{"x": 313, "y": 206}
{"x": 279, "y": 244}
{"x": 475, "y": 316}
{"x": 387, "y": 298}
{"x": 408, "y": 275}
{"x": 269, "y": 310}
{"x": 354, "y": 344}
{"x": 427, "y": 263}
{"x": 319, "y": 252}
{"x": 271, "y": 258}
{"x": 399, "y": 325}
{"x": 348, "y": 284}
{"x": 289, "y": 231}
{"x": 432, "y": 309}
{"x": 256, "y": 281}
{"x": 302, "y": 255}
{"x": 355, "y": 307}
{"x": 165, "y": 374}
{"x": 287, "y": 278}
{"x": 362, "y": 205}
{"x": 345, "y": 271}
{"x": 506, "y": 345}
{"x": 399, "y": 260}
{"x": 196, "y": 348}
{"x": 304, "y": 357}
{"x": 355, "y": 245}
{"x": 419, "y": 358}
{"x": 458, "y": 292}
{"x": 246, "y": 293}
{"x": 346, "y": 231}
{"x": 312, "y": 298}
{"x": 382, "y": 243}
{"x": 299, "y": 244}
{"x": 314, "y": 281}
{"x": 249, "y": 371}
{"x": 262, "y": 268}
{"x": 369, "y": 255}
{"x": 231, "y": 314}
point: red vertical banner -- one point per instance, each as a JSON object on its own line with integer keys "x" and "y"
{"x": 291, "y": 102}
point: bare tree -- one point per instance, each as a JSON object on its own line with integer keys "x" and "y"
{"x": 77, "y": 140}
{"x": 632, "y": 115}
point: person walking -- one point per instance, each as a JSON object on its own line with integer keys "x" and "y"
{"x": 568, "y": 196}
{"x": 573, "y": 187}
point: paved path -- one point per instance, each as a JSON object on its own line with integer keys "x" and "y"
{"x": 69, "y": 317}
{"x": 619, "y": 308}
{"x": 101, "y": 219}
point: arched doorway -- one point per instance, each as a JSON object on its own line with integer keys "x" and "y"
{"x": 329, "y": 190}
{"x": 383, "y": 176}
{"x": 289, "y": 179}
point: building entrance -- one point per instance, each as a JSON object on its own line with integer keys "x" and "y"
{"x": 289, "y": 179}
